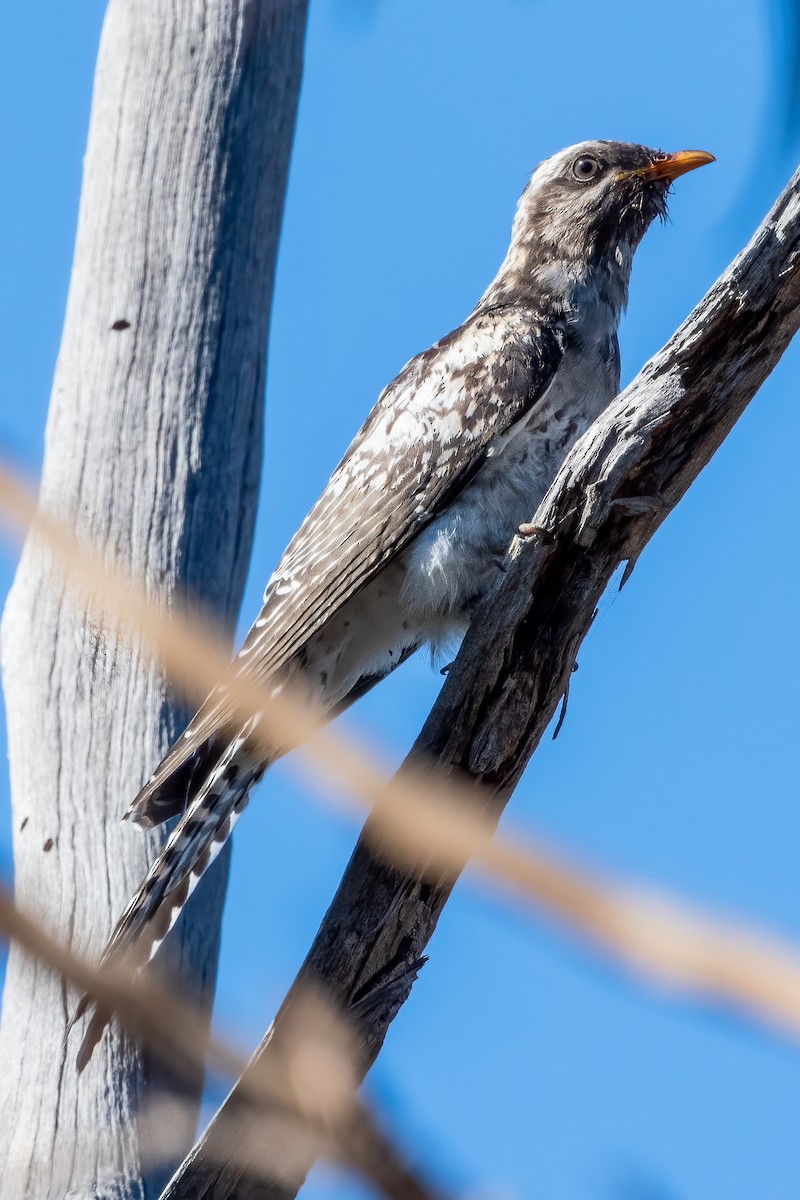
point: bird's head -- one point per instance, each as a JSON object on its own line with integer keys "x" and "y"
{"x": 586, "y": 209}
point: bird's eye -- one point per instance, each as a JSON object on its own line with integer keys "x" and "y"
{"x": 585, "y": 168}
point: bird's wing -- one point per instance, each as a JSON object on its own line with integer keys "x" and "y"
{"x": 428, "y": 431}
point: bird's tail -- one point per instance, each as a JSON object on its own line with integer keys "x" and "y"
{"x": 189, "y": 850}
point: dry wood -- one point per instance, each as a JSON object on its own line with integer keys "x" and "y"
{"x": 153, "y": 449}
{"x": 614, "y": 490}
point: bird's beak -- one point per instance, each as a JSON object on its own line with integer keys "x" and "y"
{"x": 670, "y": 166}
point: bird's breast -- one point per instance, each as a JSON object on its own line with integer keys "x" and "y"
{"x": 456, "y": 558}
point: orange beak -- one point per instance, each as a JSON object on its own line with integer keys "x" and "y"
{"x": 670, "y": 166}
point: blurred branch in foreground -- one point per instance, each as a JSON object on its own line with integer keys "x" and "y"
{"x": 312, "y": 1096}
{"x": 428, "y": 824}
{"x": 416, "y": 821}
{"x": 612, "y": 493}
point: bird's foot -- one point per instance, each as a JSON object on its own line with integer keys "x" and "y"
{"x": 529, "y": 529}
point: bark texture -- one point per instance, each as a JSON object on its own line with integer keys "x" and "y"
{"x": 153, "y": 447}
{"x": 613, "y": 491}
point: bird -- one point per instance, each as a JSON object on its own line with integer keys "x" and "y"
{"x": 408, "y": 534}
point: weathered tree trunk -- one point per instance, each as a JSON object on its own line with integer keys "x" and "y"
{"x": 613, "y": 491}
{"x": 154, "y": 448}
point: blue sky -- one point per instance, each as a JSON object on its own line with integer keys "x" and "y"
{"x": 521, "y": 1067}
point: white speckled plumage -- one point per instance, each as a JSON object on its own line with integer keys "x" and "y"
{"x": 404, "y": 540}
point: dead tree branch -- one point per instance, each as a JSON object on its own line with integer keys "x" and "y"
{"x": 614, "y": 490}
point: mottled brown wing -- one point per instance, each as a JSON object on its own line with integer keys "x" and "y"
{"x": 424, "y": 437}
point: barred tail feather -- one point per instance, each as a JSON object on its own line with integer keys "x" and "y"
{"x": 190, "y": 849}
{"x": 158, "y": 801}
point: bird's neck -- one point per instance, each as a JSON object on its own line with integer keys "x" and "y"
{"x": 539, "y": 275}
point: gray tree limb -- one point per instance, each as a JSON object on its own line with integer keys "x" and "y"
{"x": 153, "y": 447}
{"x": 613, "y": 491}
